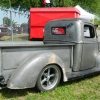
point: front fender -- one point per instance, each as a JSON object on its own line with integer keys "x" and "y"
{"x": 26, "y": 75}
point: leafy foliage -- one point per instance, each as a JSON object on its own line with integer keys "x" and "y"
{"x": 6, "y": 21}
{"x": 97, "y": 21}
{"x": 24, "y": 5}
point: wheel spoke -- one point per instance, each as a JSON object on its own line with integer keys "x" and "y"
{"x": 52, "y": 75}
{"x": 48, "y": 71}
{"x": 48, "y": 83}
{"x": 44, "y": 80}
{"x": 45, "y": 75}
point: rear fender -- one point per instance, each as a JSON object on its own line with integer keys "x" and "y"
{"x": 26, "y": 75}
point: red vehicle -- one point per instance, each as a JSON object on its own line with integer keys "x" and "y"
{"x": 4, "y": 31}
{"x": 40, "y": 16}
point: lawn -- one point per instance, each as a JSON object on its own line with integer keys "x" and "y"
{"x": 82, "y": 89}
{"x": 17, "y": 37}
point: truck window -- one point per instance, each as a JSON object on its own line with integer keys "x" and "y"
{"x": 89, "y": 31}
{"x": 58, "y": 30}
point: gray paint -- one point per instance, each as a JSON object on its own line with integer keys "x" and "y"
{"x": 98, "y": 60}
{"x": 21, "y": 62}
{"x": 14, "y": 58}
{"x": 26, "y": 75}
{"x": 77, "y": 57}
{"x": 89, "y": 54}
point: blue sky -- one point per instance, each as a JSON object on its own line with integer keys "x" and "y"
{"x": 16, "y": 17}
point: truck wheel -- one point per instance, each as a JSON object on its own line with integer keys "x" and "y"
{"x": 48, "y": 78}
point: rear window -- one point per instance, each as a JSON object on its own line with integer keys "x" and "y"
{"x": 58, "y": 30}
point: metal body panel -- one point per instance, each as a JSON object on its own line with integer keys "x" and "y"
{"x": 98, "y": 40}
{"x": 18, "y": 59}
{"x": 25, "y": 76}
{"x": 13, "y": 57}
{"x": 72, "y": 28}
{"x": 77, "y": 57}
{"x": 89, "y": 54}
{"x": 98, "y": 60}
{"x": 7, "y": 74}
{"x": 84, "y": 73}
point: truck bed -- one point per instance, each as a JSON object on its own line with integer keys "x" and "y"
{"x": 13, "y": 54}
{"x": 28, "y": 44}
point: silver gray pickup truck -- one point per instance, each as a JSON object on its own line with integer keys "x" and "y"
{"x": 70, "y": 50}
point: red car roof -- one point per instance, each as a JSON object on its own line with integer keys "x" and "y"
{"x": 3, "y": 27}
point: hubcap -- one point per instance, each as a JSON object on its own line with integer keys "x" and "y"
{"x": 49, "y": 78}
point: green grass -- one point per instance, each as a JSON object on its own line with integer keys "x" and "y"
{"x": 17, "y": 37}
{"x": 83, "y": 89}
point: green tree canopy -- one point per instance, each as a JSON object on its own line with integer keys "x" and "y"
{"x": 92, "y": 6}
{"x": 6, "y": 21}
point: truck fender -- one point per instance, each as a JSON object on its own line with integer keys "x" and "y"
{"x": 25, "y": 76}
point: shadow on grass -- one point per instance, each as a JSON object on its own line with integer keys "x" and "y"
{"x": 9, "y": 93}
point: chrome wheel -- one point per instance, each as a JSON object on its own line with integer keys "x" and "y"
{"x": 48, "y": 78}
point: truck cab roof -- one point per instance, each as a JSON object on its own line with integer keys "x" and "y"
{"x": 65, "y": 30}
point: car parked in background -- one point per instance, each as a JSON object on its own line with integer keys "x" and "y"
{"x": 4, "y": 31}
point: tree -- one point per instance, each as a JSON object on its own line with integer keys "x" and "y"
{"x": 6, "y": 21}
{"x": 97, "y": 21}
{"x": 24, "y": 5}
{"x": 92, "y": 6}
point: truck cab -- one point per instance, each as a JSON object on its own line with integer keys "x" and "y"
{"x": 82, "y": 34}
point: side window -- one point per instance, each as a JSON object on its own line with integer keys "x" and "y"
{"x": 89, "y": 31}
{"x": 58, "y": 30}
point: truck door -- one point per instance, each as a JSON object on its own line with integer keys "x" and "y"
{"x": 89, "y": 47}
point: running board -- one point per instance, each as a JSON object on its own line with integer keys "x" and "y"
{"x": 81, "y": 74}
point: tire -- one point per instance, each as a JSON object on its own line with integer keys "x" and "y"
{"x": 48, "y": 78}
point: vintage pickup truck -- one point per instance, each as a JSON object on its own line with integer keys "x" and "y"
{"x": 70, "y": 50}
